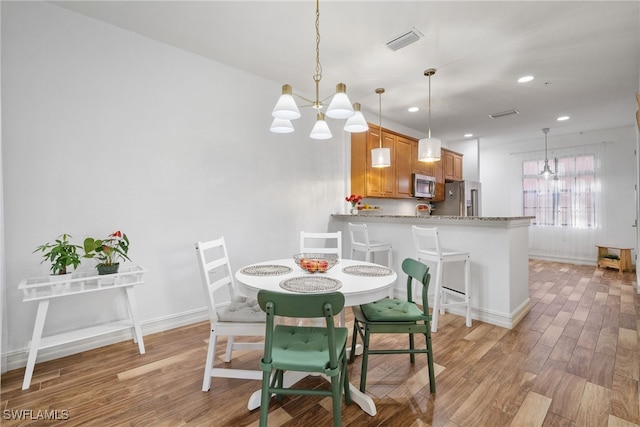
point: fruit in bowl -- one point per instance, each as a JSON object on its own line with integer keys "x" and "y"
{"x": 315, "y": 263}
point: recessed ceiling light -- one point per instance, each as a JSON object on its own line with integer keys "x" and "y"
{"x": 525, "y": 79}
{"x": 562, "y": 118}
{"x": 468, "y": 135}
{"x": 413, "y": 109}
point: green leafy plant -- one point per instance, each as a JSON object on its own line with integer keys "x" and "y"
{"x": 62, "y": 254}
{"x": 611, "y": 256}
{"x": 108, "y": 251}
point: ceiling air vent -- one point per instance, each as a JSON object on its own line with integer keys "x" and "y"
{"x": 504, "y": 113}
{"x": 404, "y": 39}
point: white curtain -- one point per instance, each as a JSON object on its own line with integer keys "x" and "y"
{"x": 575, "y": 241}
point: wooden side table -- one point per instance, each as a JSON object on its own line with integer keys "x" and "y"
{"x": 622, "y": 264}
{"x": 43, "y": 289}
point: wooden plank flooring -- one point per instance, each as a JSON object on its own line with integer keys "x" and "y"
{"x": 574, "y": 360}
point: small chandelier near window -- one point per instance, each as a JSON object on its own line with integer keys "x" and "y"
{"x": 429, "y": 148}
{"x": 380, "y": 157}
{"x": 339, "y": 108}
{"x": 546, "y": 171}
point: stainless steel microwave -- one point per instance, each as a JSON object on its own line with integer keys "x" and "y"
{"x": 424, "y": 186}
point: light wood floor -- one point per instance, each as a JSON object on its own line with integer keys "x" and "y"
{"x": 574, "y": 360}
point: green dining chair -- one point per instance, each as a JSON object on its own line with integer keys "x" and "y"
{"x": 313, "y": 349}
{"x": 395, "y": 316}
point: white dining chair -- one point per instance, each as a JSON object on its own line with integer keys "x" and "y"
{"x": 321, "y": 243}
{"x": 236, "y": 315}
{"x": 360, "y": 242}
{"x": 428, "y": 248}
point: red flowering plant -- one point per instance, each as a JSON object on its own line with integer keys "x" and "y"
{"x": 353, "y": 199}
{"x": 108, "y": 251}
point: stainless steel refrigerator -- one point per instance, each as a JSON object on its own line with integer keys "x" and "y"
{"x": 462, "y": 198}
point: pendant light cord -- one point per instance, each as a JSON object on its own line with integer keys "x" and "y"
{"x": 380, "y": 91}
{"x": 318, "y": 76}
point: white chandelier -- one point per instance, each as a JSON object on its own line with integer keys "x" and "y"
{"x": 429, "y": 148}
{"x": 340, "y": 107}
{"x": 380, "y": 157}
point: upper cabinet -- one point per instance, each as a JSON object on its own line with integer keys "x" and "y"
{"x": 452, "y": 165}
{"x": 391, "y": 182}
{"x": 397, "y": 181}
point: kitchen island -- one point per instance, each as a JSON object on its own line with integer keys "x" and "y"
{"x": 499, "y": 248}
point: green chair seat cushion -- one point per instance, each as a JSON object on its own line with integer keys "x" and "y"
{"x": 392, "y": 310}
{"x": 304, "y": 348}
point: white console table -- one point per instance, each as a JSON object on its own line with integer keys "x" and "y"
{"x": 43, "y": 289}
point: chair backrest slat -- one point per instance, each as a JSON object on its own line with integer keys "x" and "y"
{"x": 326, "y": 243}
{"x": 427, "y": 239}
{"x": 359, "y": 234}
{"x": 289, "y": 305}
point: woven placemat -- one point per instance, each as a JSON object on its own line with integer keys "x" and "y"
{"x": 266, "y": 270}
{"x": 367, "y": 270}
{"x": 311, "y": 284}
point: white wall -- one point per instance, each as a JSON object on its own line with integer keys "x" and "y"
{"x": 502, "y": 192}
{"x": 105, "y": 129}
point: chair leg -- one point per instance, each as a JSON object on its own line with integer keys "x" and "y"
{"x": 467, "y": 296}
{"x": 354, "y": 335}
{"x": 436, "y": 298}
{"x": 412, "y": 356}
{"x": 389, "y": 259}
{"x": 345, "y": 381}
{"x": 336, "y": 399}
{"x": 206, "y": 382}
{"x": 365, "y": 359}
{"x": 264, "y": 399}
{"x": 432, "y": 378}
{"x": 227, "y": 354}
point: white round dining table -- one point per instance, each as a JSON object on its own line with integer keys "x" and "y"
{"x": 360, "y": 282}
{"x": 357, "y": 289}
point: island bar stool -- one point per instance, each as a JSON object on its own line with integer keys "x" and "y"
{"x": 427, "y": 246}
{"x": 360, "y": 242}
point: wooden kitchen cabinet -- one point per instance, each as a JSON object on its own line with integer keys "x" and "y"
{"x": 397, "y": 181}
{"x": 452, "y": 165}
{"x": 422, "y": 168}
{"x": 392, "y": 182}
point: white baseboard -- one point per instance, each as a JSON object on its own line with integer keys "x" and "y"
{"x": 18, "y": 358}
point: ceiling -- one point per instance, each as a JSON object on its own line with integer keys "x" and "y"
{"x": 584, "y": 55}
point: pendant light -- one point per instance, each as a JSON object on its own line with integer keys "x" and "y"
{"x": 380, "y": 157}
{"x": 429, "y": 148}
{"x": 546, "y": 171}
{"x": 340, "y": 107}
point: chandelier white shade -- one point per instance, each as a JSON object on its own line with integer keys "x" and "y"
{"x": 429, "y": 149}
{"x": 281, "y": 126}
{"x": 357, "y": 122}
{"x": 380, "y": 157}
{"x": 321, "y": 129}
{"x": 286, "y": 107}
{"x": 339, "y": 108}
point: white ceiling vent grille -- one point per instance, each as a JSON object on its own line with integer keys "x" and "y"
{"x": 404, "y": 39}
{"x": 504, "y": 114}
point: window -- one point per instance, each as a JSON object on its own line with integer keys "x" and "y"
{"x": 566, "y": 199}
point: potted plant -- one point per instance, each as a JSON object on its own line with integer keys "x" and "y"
{"x": 62, "y": 254}
{"x": 108, "y": 251}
